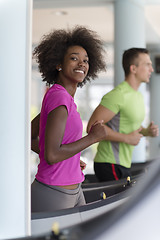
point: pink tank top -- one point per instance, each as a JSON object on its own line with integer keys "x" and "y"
{"x": 67, "y": 172}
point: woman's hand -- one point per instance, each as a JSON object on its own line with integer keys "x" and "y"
{"x": 82, "y": 165}
{"x": 98, "y": 131}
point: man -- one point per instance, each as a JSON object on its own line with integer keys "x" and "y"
{"x": 123, "y": 111}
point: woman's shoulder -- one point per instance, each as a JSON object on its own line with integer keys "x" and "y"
{"x": 57, "y": 95}
{"x": 57, "y": 91}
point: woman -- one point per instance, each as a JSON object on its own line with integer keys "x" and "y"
{"x": 67, "y": 60}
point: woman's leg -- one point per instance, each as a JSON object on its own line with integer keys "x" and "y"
{"x": 51, "y": 198}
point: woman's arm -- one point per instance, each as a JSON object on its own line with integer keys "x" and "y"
{"x": 35, "y": 134}
{"x": 55, "y": 151}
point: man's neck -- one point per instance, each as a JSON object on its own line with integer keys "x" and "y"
{"x": 132, "y": 81}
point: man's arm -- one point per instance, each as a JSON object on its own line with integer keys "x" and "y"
{"x": 100, "y": 113}
{"x": 103, "y": 113}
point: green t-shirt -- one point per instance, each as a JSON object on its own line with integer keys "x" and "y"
{"x": 128, "y": 105}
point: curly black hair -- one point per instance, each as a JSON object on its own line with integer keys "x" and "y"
{"x": 51, "y": 51}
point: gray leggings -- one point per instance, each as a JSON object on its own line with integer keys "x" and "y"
{"x": 46, "y": 198}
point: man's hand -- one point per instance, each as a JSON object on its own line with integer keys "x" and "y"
{"x": 153, "y": 130}
{"x": 134, "y": 137}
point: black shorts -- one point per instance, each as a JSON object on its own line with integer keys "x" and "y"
{"x": 108, "y": 171}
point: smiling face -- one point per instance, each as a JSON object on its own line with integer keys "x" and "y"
{"x": 75, "y": 65}
{"x": 143, "y": 68}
